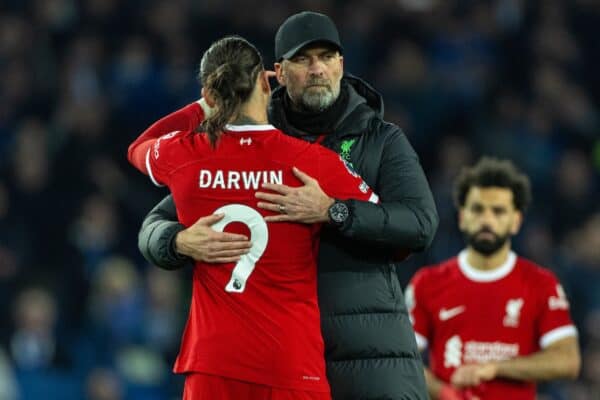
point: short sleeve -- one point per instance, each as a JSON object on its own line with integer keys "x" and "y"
{"x": 554, "y": 322}
{"x": 161, "y": 158}
{"x": 339, "y": 180}
{"x": 419, "y": 317}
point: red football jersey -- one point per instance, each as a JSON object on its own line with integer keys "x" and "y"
{"x": 467, "y": 316}
{"x": 257, "y": 320}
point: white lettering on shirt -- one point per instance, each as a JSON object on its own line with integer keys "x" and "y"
{"x": 220, "y": 179}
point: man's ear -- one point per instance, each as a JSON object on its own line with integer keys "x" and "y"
{"x": 516, "y": 225}
{"x": 460, "y": 219}
{"x": 279, "y": 73}
{"x": 209, "y": 99}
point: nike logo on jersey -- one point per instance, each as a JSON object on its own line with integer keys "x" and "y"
{"x": 450, "y": 313}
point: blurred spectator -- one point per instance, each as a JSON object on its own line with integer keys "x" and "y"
{"x": 116, "y": 303}
{"x": 103, "y": 384}
{"x": 8, "y": 383}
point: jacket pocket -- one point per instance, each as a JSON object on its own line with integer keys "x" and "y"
{"x": 392, "y": 280}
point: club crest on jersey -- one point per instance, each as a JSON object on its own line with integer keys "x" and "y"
{"x": 513, "y": 312}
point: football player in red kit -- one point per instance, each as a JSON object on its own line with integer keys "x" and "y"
{"x": 494, "y": 323}
{"x": 253, "y": 330}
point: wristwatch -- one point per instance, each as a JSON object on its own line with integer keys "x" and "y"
{"x": 338, "y": 213}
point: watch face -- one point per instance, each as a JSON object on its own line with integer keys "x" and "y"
{"x": 339, "y": 212}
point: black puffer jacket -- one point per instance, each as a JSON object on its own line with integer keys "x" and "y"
{"x": 369, "y": 342}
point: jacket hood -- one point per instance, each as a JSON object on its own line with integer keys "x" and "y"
{"x": 360, "y": 93}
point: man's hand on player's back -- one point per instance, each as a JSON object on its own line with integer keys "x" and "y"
{"x": 202, "y": 243}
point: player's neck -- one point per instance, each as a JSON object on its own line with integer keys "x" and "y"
{"x": 488, "y": 262}
{"x": 243, "y": 119}
{"x": 251, "y": 113}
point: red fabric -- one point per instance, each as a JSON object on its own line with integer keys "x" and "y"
{"x": 269, "y": 333}
{"x": 450, "y": 393}
{"x": 185, "y": 119}
{"x": 473, "y": 321}
{"x": 210, "y": 387}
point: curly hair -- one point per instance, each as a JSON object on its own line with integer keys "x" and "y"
{"x": 493, "y": 172}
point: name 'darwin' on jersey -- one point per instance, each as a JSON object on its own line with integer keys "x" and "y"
{"x": 237, "y": 180}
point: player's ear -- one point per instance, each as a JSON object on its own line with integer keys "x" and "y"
{"x": 207, "y": 96}
{"x": 460, "y": 219}
{"x": 517, "y": 221}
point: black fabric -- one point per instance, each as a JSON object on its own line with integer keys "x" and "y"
{"x": 321, "y": 123}
{"x": 302, "y": 29}
{"x": 370, "y": 346}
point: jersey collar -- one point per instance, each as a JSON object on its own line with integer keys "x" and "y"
{"x": 249, "y": 128}
{"x": 486, "y": 276}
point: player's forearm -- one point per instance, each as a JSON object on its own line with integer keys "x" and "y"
{"x": 559, "y": 361}
{"x": 186, "y": 118}
{"x": 434, "y": 385}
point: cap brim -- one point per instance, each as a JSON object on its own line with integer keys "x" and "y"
{"x": 291, "y": 53}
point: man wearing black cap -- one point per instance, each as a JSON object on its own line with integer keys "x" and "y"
{"x": 370, "y": 351}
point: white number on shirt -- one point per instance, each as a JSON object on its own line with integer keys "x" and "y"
{"x": 259, "y": 235}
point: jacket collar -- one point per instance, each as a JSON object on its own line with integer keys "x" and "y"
{"x": 360, "y": 93}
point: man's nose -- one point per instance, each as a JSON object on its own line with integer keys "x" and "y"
{"x": 487, "y": 218}
{"x": 316, "y": 66}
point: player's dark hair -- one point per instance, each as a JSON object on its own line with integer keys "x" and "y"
{"x": 228, "y": 71}
{"x": 493, "y": 172}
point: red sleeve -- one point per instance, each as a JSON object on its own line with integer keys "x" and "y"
{"x": 419, "y": 316}
{"x": 554, "y": 321}
{"x": 339, "y": 180}
{"x": 164, "y": 156}
{"x": 185, "y": 119}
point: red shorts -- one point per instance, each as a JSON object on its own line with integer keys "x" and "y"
{"x": 212, "y": 387}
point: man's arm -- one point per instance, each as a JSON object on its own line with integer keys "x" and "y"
{"x": 405, "y": 218}
{"x": 169, "y": 245}
{"x": 157, "y": 235}
{"x": 560, "y": 360}
{"x": 162, "y": 240}
{"x": 440, "y": 390}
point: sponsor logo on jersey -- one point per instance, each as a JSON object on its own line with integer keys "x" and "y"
{"x": 245, "y": 141}
{"x": 560, "y": 301}
{"x": 457, "y": 352}
{"x": 453, "y": 352}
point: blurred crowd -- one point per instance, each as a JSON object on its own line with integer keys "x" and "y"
{"x": 85, "y": 317}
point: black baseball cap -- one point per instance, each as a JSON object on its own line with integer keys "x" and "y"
{"x": 303, "y": 29}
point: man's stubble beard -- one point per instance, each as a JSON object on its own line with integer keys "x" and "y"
{"x": 318, "y": 100}
{"x": 485, "y": 246}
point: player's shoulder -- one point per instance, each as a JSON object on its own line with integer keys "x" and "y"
{"x": 174, "y": 148}
{"x": 291, "y": 142}
{"x": 440, "y": 272}
{"x": 180, "y": 140}
{"x": 534, "y": 272}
